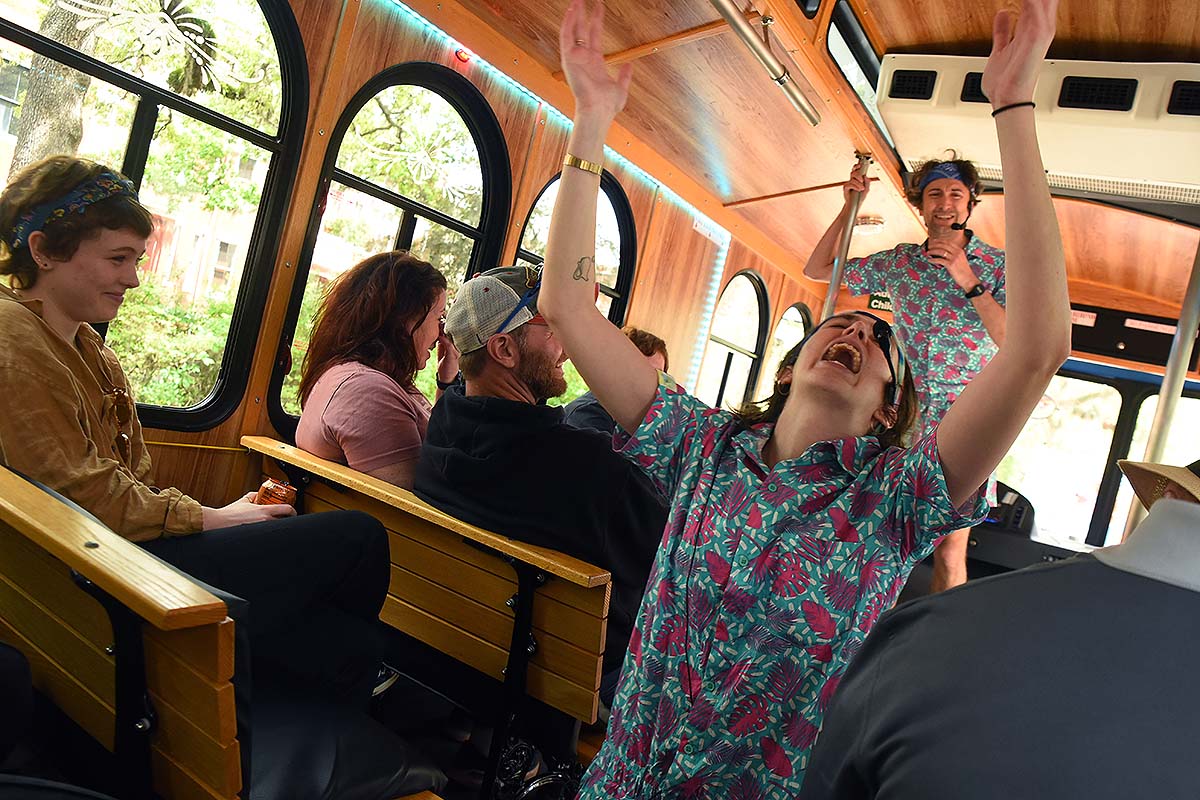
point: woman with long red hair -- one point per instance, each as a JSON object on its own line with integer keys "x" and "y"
{"x": 373, "y": 333}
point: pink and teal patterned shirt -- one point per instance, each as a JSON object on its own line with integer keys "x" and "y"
{"x": 943, "y": 337}
{"x": 765, "y": 585}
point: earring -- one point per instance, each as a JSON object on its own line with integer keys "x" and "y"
{"x": 783, "y": 389}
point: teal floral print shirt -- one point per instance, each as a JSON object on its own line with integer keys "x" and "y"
{"x": 765, "y": 585}
{"x": 943, "y": 337}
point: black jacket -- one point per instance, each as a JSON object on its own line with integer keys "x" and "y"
{"x": 518, "y": 470}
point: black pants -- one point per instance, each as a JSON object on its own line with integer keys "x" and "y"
{"x": 16, "y": 697}
{"x": 314, "y": 585}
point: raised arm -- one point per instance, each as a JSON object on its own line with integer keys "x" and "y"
{"x": 614, "y": 370}
{"x": 989, "y": 415}
{"x": 820, "y": 263}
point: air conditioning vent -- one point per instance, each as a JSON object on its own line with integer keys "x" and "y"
{"x": 1185, "y": 98}
{"x": 1101, "y": 94}
{"x": 972, "y": 91}
{"x": 1144, "y": 153}
{"x": 912, "y": 84}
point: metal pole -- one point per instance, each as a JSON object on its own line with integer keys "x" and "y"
{"x": 775, "y": 68}
{"x": 1172, "y": 385}
{"x": 839, "y": 261}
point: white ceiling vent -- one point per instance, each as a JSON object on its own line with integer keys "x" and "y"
{"x": 1131, "y": 130}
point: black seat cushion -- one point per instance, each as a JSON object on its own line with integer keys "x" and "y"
{"x": 311, "y": 749}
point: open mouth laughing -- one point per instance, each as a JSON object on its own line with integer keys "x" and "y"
{"x": 846, "y": 355}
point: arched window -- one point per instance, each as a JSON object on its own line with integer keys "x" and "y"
{"x": 793, "y": 326}
{"x": 418, "y": 163}
{"x": 195, "y": 104}
{"x": 616, "y": 242}
{"x": 733, "y": 358}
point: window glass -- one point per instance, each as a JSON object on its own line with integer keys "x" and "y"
{"x": 450, "y": 252}
{"x": 608, "y": 234}
{"x": 411, "y": 141}
{"x": 790, "y": 330}
{"x": 171, "y": 333}
{"x": 1182, "y": 448}
{"x": 1058, "y": 460}
{"x": 855, "y": 76}
{"x": 712, "y": 370}
{"x": 32, "y": 122}
{"x": 219, "y": 53}
{"x": 737, "y": 316}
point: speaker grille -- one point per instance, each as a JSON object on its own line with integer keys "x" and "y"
{"x": 1102, "y": 94}
{"x": 972, "y": 91}
{"x": 912, "y": 84}
{"x": 1142, "y": 190}
{"x": 1185, "y": 98}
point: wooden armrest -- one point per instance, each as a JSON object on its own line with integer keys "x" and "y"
{"x": 148, "y": 587}
{"x": 559, "y": 564}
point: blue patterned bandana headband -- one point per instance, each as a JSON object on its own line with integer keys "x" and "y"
{"x": 946, "y": 169}
{"x": 102, "y": 187}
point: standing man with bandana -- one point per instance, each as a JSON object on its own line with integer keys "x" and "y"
{"x": 948, "y": 300}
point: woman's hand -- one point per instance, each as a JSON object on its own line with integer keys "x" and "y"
{"x": 243, "y": 512}
{"x": 596, "y": 91}
{"x": 1018, "y": 49}
{"x": 447, "y": 353}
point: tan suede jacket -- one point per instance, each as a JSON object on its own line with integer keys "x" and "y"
{"x": 59, "y": 424}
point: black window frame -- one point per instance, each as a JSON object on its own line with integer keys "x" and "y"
{"x": 869, "y": 61}
{"x": 764, "y": 331}
{"x": 481, "y": 121}
{"x": 626, "y": 230}
{"x": 284, "y": 145}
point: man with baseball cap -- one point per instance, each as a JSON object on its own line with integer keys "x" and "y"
{"x": 496, "y": 456}
{"x": 1071, "y": 679}
{"x": 947, "y": 297}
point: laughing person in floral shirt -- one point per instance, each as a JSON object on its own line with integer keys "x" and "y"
{"x": 788, "y": 535}
{"x": 948, "y": 295}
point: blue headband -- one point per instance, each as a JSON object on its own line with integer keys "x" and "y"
{"x": 102, "y": 187}
{"x": 946, "y": 169}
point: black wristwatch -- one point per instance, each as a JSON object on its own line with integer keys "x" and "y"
{"x": 974, "y": 291}
{"x": 444, "y": 385}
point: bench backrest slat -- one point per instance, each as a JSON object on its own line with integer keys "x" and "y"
{"x": 452, "y": 595}
{"x": 63, "y": 632}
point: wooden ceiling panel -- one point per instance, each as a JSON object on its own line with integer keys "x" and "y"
{"x": 1114, "y": 30}
{"x": 1115, "y": 258}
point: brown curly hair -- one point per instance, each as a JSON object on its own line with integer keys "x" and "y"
{"x": 44, "y": 181}
{"x": 965, "y": 168}
{"x": 366, "y": 316}
{"x": 648, "y": 344}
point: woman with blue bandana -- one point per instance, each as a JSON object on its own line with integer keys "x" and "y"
{"x": 948, "y": 300}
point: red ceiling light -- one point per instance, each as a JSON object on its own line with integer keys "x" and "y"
{"x": 463, "y": 55}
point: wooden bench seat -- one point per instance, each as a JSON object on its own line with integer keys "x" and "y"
{"x": 69, "y": 641}
{"x": 453, "y": 584}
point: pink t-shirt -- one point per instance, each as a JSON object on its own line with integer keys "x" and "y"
{"x": 360, "y": 417}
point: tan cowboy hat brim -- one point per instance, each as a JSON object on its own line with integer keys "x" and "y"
{"x": 1150, "y": 479}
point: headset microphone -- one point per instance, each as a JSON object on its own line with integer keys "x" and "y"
{"x": 962, "y": 226}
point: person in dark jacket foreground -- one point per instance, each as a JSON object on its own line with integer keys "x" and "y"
{"x": 496, "y": 456}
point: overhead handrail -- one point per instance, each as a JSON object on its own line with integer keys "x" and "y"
{"x": 775, "y": 68}
{"x": 839, "y": 261}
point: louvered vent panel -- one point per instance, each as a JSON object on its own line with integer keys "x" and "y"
{"x": 1185, "y": 98}
{"x": 1102, "y": 94}
{"x": 972, "y": 91}
{"x": 912, "y": 84}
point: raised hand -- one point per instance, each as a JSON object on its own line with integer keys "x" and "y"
{"x": 1018, "y": 48}
{"x": 596, "y": 90}
{"x": 858, "y": 182}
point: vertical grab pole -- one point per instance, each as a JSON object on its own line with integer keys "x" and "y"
{"x": 839, "y": 261}
{"x": 1172, "y": 385}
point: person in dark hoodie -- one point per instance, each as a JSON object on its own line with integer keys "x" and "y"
{"x": 496, "y": 456}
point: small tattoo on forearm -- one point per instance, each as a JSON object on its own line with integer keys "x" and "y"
{"x": 584, "y": 269}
